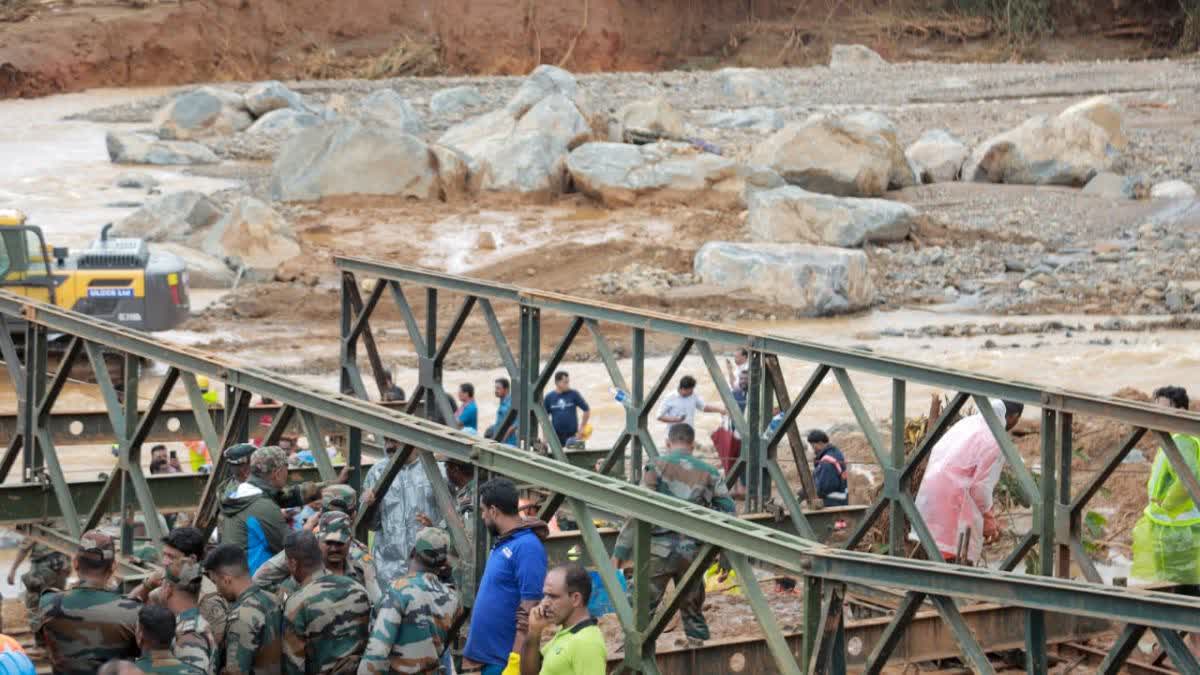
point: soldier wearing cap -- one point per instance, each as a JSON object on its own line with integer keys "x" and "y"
{"x": 195, "y": 644}
{"x": 327, "y": 619}
{"x": 84, "y": 627}
{"x": 185, "y": 543}
{"x": 412, "y": 627}
{"x": 238, "y": 459}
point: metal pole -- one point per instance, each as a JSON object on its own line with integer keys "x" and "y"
{"x": 752, "y": 443}
{"x": 637, "y": 398}
{"x": 1063, "y": 501}
{"x": 896, "y": 529}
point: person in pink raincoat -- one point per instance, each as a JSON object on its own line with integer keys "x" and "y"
{"x": 956, "y": 492}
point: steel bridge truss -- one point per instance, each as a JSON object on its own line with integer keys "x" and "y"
{"x": 1056, "y": 534}
{"x": 826, "y": 571}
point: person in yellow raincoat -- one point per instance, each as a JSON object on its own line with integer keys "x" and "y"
{"x": 1166, "y": 539}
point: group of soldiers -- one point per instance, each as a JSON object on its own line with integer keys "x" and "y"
{"x": 304, "y": 609}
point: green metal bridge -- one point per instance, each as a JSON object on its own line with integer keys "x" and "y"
{"x": 922, "y": 596}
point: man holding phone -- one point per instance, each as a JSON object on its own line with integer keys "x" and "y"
{"x": 578, "y": 647}
{"x": 161, "y": 462}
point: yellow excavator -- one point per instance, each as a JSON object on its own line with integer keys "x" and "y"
{"x": 115, "y": 279}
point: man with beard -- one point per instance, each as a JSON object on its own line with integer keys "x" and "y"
{"x": 512, "y": 580}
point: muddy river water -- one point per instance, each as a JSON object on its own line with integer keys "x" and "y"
{"x": 58, "y": 172}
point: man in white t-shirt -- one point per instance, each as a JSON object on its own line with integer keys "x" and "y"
{"x": 739, "y": 365}
{"x": 682, "y": 406}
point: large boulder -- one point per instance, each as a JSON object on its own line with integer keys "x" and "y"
{"x": 937, "y": 156}
{"x": 204, "y": 270}
{"x": 351, "y": 157}
{"x": 454, "y": 100}
{"x": 621, "y": 174}
{"x": 1067, "y": 149}
{"x": 263, "y": 97}
{"x": 652, "y": 118}
{"x": 744, "y": 84}
{"x": 385, "y": 107}
{"x": 815, "y": 280}
{"x": 757, "y": 118}
{"x": 854, "y": 57}
{"x": 200, "y": 113}
{"x": 853, "y": 155}
{"x": 791, "y": 214}
{"x": 556, "y": 116}
{"x": 253, "y": 236}
{"x": 283, "y": 122}
{"x": 545, "y": 81}
{"x": 174, "y": 217}
{"x": 522, "y": 147}
{"x": 530, "y": 164}
{"x": 1172, "y": 189}
{"x": 131, "y": 147}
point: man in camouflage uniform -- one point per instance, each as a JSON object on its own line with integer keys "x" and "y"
{"x": 679, "y": 474}
{"x": 155, "y": 632}
{"x": 48, "y": 571}
{"x": 253, "y": 645}
{"x": 411, "y": 629}
{"x": 327, "y": 620}
{"x": 195, "y": 644}
{"x": 185, "y": 543}
{"x": 86, "y": 626}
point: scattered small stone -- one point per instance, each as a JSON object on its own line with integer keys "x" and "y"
{"x": 137, "y": 180}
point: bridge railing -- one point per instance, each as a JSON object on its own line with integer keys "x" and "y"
{"x": 1057, "y": 505}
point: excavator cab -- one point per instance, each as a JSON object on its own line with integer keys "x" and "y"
{"x": 115, "y": 279}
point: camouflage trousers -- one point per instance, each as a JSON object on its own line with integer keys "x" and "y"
{"x": 670, "y": 557}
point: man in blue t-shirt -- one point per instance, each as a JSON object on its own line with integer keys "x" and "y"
{"x": 562, "y": 404}
{"x": 468, "y": 412}
{"x": 512, "y": 579}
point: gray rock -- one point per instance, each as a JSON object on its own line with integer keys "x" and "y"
{"x": 621, "y": 174}
{"x": 652, "y": 117}
{"x": 556, "y": 116}
{"x": 283, "y": 122}
{"x": 744, "y": 84}
{"x": 1067, "y": 149}
{"x": 201, "y": 113}
{"x": 264, "y": 97}
{"x": 938, "y": 156}
{"x": 204, "y": 271}
{"x": 1115, "y": 186}
{"x": 173, "y": 217}
{"x": 814, "y": 280}
{"x": 531, "y": 164}
{"x": 454, "y": 100}
{"x": 1172, "y": 189}
{"x": 130, "y": 147}
{"x": 854, "y": 57}
{"x": 524, "y": 153}
{"x": 757, "y": 118}
{"x": 385, "y": 107}
{"x": 137, "y": 180}
{"x": 351, "y": 157}
{"x": 1177, "y": 301}
{"x": 542, "y": 82}
{"x": 854, "y": 155}
{"x": 791, "y": 214}
{"x": 253, "y": 236}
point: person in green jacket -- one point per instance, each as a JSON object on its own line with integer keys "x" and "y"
{"x": 250, "y": 514}
{"x": 1166, "y": 539}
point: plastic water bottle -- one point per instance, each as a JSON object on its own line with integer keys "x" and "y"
{"x": 621, "y": 396}
{"x": 770, "y": 430}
